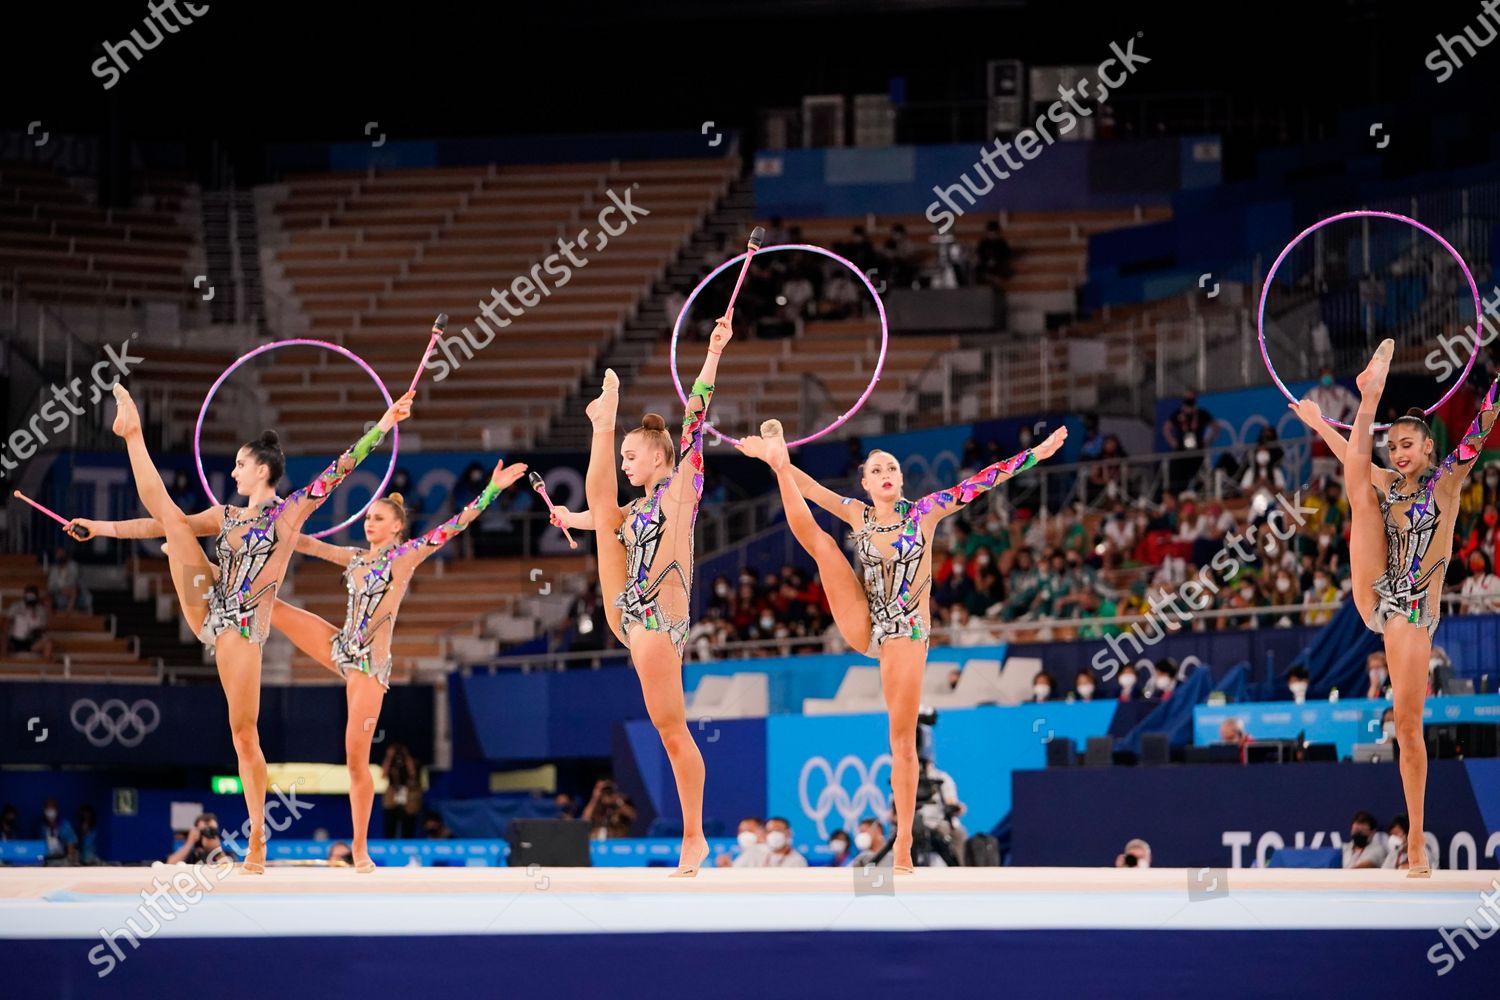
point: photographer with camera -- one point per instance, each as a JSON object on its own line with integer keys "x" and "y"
{"x": 203, "y": 845}
{"x": 938, "y": 809}
{"x": 1137, "y": 854}
{"x": 609, "y": 812}
{"x": 402, "y": 801}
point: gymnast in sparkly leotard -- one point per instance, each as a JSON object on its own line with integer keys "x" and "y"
{"x": 889, "y": 602}
{"x": 645, "y": 553}
{"x": 376, "y": 579}
{"x": 229, "y": 606}
{"x": 1401, "y": 536}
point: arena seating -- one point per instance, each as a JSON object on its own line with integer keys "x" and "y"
{"x": 759, "y": 379}
{"x": 59, "y": 245}
{"x": 367, "y": 260}
{"x": 83, "y": 647}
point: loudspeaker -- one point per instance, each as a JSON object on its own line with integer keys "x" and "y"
{"x": 553, "y": 843}
{"x": 1156, "y": 748}
{"x": 1100, "y": 751}
{"x": 1061, "y": 753}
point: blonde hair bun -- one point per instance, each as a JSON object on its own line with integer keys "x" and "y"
{"x": 396, "y": 498}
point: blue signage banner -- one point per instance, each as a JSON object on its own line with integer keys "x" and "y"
{"x": 826, "y": 773}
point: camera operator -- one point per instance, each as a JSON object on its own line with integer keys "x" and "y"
{"x": 202, "y": 845}
{"x": 402, "y": 800}
{"x": 609, "y": 811}
{"x": 1137, "y": 854}
{"x": 938, "y": 809}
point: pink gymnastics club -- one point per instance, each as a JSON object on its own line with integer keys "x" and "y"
{"x": 541, "y": 487}
{"x": 438, "y": 326}
{"x": 757, "y": 237}
{"x": 60, "y": 520}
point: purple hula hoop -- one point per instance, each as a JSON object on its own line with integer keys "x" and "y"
{"x": 879, "y": 362}
{"x": 1260, "y": 315}
{"x": 202, "y": 410}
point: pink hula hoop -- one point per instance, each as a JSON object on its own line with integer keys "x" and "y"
{"x": 1260, "y": 315}
{"x": 202, "y": 410}
{"x": 879, "y": 362}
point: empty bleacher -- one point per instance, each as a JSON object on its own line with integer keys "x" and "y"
{"x": 367, "y": 260}
{"x": 58, "y": 245}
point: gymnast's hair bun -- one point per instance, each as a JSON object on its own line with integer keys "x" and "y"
{"x": 1417, "y": 413}
{"x": 396, "y": 499}
{"x": 269, "y": 439}
{"x": 653, "y": 422}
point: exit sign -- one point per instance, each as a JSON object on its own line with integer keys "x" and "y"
{"x": 227, "y": 784}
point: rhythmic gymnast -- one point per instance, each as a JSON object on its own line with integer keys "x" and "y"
{"x": 645, "y": 553}
{"x": 229, "y": 606}
{"x": 1400, "y": 538}
{"x": 360, "y": 652}
{"x": 886, "y": 614}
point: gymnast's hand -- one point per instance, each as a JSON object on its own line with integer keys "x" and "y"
{"x": 1309, "y": 412}
{"x": 723, "y": 333}
{"x": 399, "y": 411}
{"x": 1049, "y": 447}
{"x": 753, "y": 446}
{"x": 506, "y": 475}
{"x": 82, "y": 529}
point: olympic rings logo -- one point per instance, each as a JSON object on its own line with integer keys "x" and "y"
{"x": 114, "y": 721}
{"x": 834, "y": 795}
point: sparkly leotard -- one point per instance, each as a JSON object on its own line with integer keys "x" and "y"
{"x": 897, "y": 580}
{"x": 252, "y": 565}
{"x": 376, "y": 586}
{"x": 1419, "y": 538}
{"x": 658, "y": 537}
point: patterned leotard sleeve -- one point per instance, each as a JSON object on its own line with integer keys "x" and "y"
{"x": 253, "y": 564}
{"x": 310, "y": 497}
{"x": 658, "y": 536}
{"x": 377, "y": 586}
{"x": 960, "y": 496}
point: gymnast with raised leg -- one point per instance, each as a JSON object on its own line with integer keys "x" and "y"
{"x": 228, "y": 606}
{"x": 360, "y": 652}
{"x": 884, "y": 613}
{"x": 645, "y": 555}
{"x": 1400, "y": 538}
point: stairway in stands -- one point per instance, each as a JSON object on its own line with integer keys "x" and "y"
{"x": 157, "y": 638}
{"x": 727, "y": 225}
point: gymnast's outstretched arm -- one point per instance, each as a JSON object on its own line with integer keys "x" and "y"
{"x": 845, "y": 508}
{"x": 339, "y": 555}
{"x": 302, "y": 502}
{"x": 940, "y": 504}
{"x": 1311, "y": 414}
{"x": 419, "y": 548}
{"x": 1479, "y": 428}
{"x": 687, "y": 480}
{"x": 205, "y": 522}
{"x": 574, "y": 520}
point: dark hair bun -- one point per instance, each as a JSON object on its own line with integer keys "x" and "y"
{"x": 1417, "y": 413}
{"x": 653, "y": 422}
{"x": 270, "y": 439}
